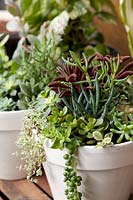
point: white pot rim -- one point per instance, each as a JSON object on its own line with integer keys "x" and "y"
{"x": 114, "y": 147}
{"x": 11, "y": 120}
{"x": 48, "y": 143}
{"x": 12, "y": 112}
{"x": 92, "y": 158}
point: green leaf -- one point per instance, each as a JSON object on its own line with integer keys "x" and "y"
{"x": 26, "y": 91}
{"x": 69, "y": 118}
{"x": 76, "y": 59}
{"x": 106, "y": 16}
{"x": 4, "y": 40}
{"x": 79, "y": 9}
{"x": 97, "y": 93}
{"x": 13, "y": 92}
{"x": 91, "y": 142}
{"x": 89, "y": 135}
{"x": 95, "y": 4}
{"x": 65, "y": 110}
{"x": 115, "y": 131}
{"x": 99, "y": 122}
{"x": 97, "y": 135}
{"x": 14, "y": 66}
{"x": 108, "y": 135}
{"x": 74, "y": 143}
{"x": 13, "y": 8}
{"x": 24, "y": 5}
{"x": 22, "y": 105}
{"x": 107, "y": 140}
{"x": 33, "y": 40}
{"x": 127, "y": 137}
{"x": 57, "y": 144}
{"x": 119, "y": 140}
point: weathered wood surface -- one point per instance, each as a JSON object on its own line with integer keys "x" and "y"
{"x": 43, "y": 184}
{"x": 24, "y": 190}
{"x": 131, "y": 197}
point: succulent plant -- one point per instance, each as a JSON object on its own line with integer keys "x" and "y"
{"x": 90, "y": 84}
{"x": 92, "y": 108}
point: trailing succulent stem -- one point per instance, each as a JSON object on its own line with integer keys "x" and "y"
{"x": 71, "y": 178}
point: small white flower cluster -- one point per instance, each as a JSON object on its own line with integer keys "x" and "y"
{"x": 31, "y": 143}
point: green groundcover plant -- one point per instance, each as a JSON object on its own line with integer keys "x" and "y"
{"x": 23, "y": 78}
{"x": 90, "y": 102}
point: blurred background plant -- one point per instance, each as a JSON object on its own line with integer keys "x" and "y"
{"x": 23, "y": 78}
{"x": 76, "y": 24}
{"x": 126, "y": 12}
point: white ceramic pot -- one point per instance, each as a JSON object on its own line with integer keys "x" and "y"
{"x": 10, "y": 127}
{"x": 107, "y": 173}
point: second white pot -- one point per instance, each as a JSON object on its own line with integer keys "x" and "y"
{"x": 10, "y": 127}
{"x": 107, "y": 173}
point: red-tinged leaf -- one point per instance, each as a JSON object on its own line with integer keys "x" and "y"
{"x": 83, "y": 77}
{"x": 66, "y": 93}
{"x": 129, "y": 66}
{"x": 91, "y": 58}
{"x": 72, "y": 78}
{"x": 57, "y": 84}
{"x": 124, "y": 74}
{"x": 88, "y": 88}
{"x": 92, "y": 71}
{"x": 82, "y": 61}
{"x": 123, "y": 58}
{"x": 62, "y": 70}
{"x": 103, "y": 58}
{"x": 77, "y": 88}
{"x": 54, "y": 89}
{"x": 60, "y": 78}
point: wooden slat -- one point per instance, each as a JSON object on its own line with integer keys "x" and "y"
{"x": 22, "y": 190}
{"x": 131, "y": 197}
{"x": 43, "y": 183}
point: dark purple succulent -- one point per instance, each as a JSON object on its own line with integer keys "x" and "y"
{"x": 67, "y": 74}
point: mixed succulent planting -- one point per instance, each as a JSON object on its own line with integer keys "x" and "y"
{"x": 90, "y": 99}
{"x": 90, "y": 90}
{"x": 93, "y": 106}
